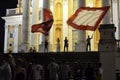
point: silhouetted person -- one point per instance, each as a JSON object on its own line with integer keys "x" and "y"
{"x": 29, "y": 72}
{"x": 30, "y": 50}
{"x": 88, "y": 47}
{"x": 53, "y": 68}
{"x": 37, "y": 70}
{"x": 46, "y": 72}
{"x": 34, "y": 50}
{"x": 78, "y": 71}
{"x": 58, "y": 45}
{"x": 5, "y": 69}
{"x": 64, "y": 71}
{"x": 65, "y": 44}
{"x": 89, "y": 72}
{"x": 20, "y": 72}
{"x": 46, "y": 46}
{"x": 99, "y": 72}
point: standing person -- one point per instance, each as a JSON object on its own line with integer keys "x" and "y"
{"x": 53, "y": 70}
{"x": 46, "y": 46}
{"x": 98, "y": 72}
{"x": 46, "y": 72}
{"x": 5, "y": 69}
{"x": 34, "y": 50}
{"x": 30, "y": 50}
{"x": 58, "y": 45}
{"x": 88, "y": 47}
{"x": 11, "y": 61}
{"x": 78, "y": 71}
{"x": 20, "y": 72}
{"x": 89, "y": 72}
{"x": 65, "y": 44}
{"x": 64, "y": 71}
{"x": 37, "y": 70}
{"x": 29, "y": 72}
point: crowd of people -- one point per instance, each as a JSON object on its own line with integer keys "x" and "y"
{"x": 19, "y": 69}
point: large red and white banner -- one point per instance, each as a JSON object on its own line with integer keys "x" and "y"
{"x": 46, "y": 25}
{"x": 87, "y": 18}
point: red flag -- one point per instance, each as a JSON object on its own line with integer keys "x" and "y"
{"x": 46, "y": 25}
{"x": 86, "y": 18}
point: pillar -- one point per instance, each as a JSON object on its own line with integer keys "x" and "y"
{"x": 25, "y": 26}
{"x": 5, "y": 40}
{"x": 35, "y": 20}
{"x": 15, "y": 49}
{"x": 107, "y": 50}
{"x": 107, "y": 17}
{"x": 81, "y": 44}
{"x": 45, "y": 5}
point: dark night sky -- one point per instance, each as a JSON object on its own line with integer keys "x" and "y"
{"x": 6, "y": 4}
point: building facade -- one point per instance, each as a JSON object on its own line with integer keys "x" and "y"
{"x": 18, "y": 34}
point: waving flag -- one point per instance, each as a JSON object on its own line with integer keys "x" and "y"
{"x": 46, "y": 25}
{"x": 86, "y": 18}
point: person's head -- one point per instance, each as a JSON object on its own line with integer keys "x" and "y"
{"x": 52, "y": 59}
{"x": 34, "y": 48}
{"x": 46, "y": 40}
{"x": 58, "y": 39}
{"x": 19, "y": 62}
{"x": 88, "y": 36}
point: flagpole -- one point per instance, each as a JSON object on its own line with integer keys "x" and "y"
{"x": 118, "y": 5}
{"x": 111, "y": 16}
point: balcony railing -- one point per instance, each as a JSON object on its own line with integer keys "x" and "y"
{"x": 11, "y": 11}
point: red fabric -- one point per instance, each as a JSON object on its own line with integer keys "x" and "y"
{"x": 86, "y": 18}
{"x": 46, "y": 25}
{"x": 47, "y": 14}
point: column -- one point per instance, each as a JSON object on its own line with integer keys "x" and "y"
{"x": 15, "y": 49}
{"x": 107, "y": 17}
{"x": 45, "y": 5}
{"x": 81, "y": 44}
{"x": 35, "y": 20}
{"x": 108, "y": 50}
{"x": 5, "y": 40}
{"x": 25, "y": 26}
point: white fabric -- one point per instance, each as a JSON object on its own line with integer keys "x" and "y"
{"x": 53, "y": 70}
{"x": 37, "y": 71}
{"x": 86, "y": 17}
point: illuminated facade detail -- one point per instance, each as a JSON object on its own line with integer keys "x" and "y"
{"x": 62, "y": 9}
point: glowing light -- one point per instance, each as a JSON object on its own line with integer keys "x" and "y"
{"x": 40, "y": 3}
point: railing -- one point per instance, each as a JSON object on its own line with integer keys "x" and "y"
{"x": 11, "y": 11}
